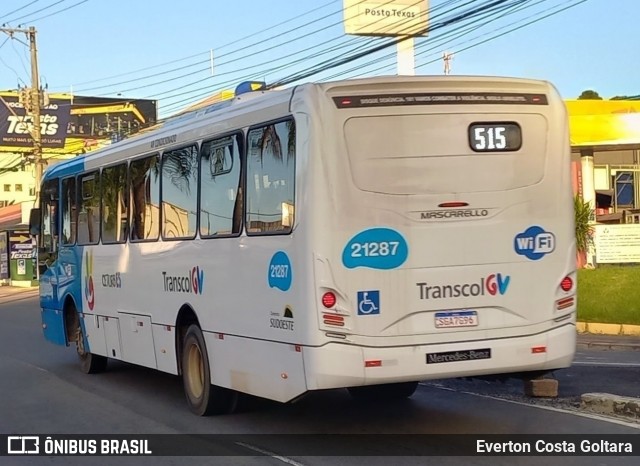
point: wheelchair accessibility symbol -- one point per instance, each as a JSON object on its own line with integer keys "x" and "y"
{"x": 368, "y": 302}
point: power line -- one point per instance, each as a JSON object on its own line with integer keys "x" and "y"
{"x": 19, "y": 9}
{"x": 24, "y": 66}
{"x": 119, "y": 75}
{"x": 58, "y": 12}
{"x": 206, "y": 69}
{"x": 233, "y": 52}
{"x": 521, "y": 26}
{"x": 311, "y": 71}
{"x": 498, "y": 29}
{"x": 334, "y": 48}
{"x": 34, "y": 12}
{"x": 439, "y": 41}
{"x": 365, "y": 50}
{"x": 209, "y": 91}
{"x": 279, "y": 67}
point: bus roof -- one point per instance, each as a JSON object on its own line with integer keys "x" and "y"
{"x": 212, "y": 112}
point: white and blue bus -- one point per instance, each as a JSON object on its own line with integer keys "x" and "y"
{"x": 363, "y": 234}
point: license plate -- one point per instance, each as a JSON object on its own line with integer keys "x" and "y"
{"x": 452, "y": 319}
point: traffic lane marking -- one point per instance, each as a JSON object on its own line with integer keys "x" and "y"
{"x": 610, "y": 420}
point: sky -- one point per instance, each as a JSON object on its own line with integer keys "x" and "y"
{"x": 161, "y": 49}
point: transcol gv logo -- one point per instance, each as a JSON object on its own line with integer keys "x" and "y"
{"x": 88, "y": 283}
{"x": 534, "y": 243}
{"x": 193, "y": 282}
{"x": 493, "y": 284}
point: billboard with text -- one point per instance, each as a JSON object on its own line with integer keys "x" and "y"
{"x": 16, "y": 125}
{"x": 73, "y": 125}
{"x": 386, "y": 17}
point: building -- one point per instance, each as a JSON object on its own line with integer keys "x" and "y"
{"x": 71, "y": 126}
{"x": 605, "y": 144}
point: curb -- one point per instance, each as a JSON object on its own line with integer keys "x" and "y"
{"x": 608, "y": 329}
{"x": 609, "y": 346}
{"x": 606, "y": 403}
{"x": 6, "y": 291}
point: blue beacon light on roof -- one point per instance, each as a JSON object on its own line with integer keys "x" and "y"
{"x": 250, "y": 86}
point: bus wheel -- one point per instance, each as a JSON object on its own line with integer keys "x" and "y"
{"x": 390, "y": 391}
{"x": 202, "y": 397}
{"x": 89, "y": 363}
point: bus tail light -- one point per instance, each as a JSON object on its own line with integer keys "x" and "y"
{"x": 329, "y": 299}
{"x": 566, "y": 284}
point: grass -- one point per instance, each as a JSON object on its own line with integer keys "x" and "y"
{"x": 609, "y": 295}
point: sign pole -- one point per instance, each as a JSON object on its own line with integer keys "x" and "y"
{"x": 406, "y": 57}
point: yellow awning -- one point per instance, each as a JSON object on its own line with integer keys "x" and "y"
{"x": 602, "y": 122}
{"x": 118, "y": 108}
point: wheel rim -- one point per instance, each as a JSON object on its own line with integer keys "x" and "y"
{"x": 195, "y": 371}
{"x": 80, "y": 344}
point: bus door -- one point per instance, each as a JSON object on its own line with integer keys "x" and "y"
{"x": 52, "y": 316}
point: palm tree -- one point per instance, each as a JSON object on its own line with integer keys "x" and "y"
{"x": 583, "y": 228}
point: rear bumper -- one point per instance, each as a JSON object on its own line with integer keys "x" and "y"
{"x": 340, "y": 365}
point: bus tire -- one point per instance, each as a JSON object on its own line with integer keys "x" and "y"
{"x": 89, "y": 363}
{"x": 92, "y": 363}
{"x": 389, "y": 391}
{"x": 203, "y": 398}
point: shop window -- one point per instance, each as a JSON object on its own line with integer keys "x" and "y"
{"x": 624, "y": 190}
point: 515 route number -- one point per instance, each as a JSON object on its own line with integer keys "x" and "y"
{"x": 495, "y": 137}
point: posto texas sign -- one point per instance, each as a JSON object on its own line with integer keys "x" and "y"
{"x": 15, "y": 124}
{"x": 385, "y": 17}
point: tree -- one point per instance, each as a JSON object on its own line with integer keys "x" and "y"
{"x": 589, "y": 95}
{"x": 626, "y": 97}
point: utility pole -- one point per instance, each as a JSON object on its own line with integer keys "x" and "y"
{"x": 447, "y": 57}
{"x": 35, "y": 112}
{"x": 32, "y": 105}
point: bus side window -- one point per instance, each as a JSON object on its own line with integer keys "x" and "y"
{"x": 179, "y": 192}
{"x": 89, "y": 212}
{"x": 220, "y": 196}
{"x": 144, "y": 192}
{"x": 49, "y": 216}
{"x": 69, "y": 211}
{"x": 271, "y": 178}
{"x": 114, "y": 204}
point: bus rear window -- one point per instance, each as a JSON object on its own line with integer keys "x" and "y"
{"x": 433, "y": 153}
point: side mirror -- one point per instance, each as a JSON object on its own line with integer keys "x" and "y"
{"x": 34, "y": 222}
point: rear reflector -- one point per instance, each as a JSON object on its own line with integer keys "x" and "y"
{"x": 333, "y": 319}
{"x": 373, "y": 363}
{"x": 539, "y": 349}
{"x": 564, "y": 303}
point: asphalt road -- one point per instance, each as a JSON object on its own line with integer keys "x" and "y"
{"x": 44, "y": 392}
